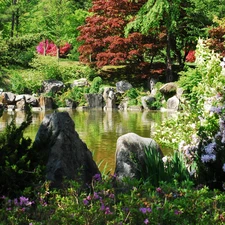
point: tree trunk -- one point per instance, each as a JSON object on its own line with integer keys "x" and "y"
{"x": 169, "y": 72}
{"x": 13, "y": 18}
{"x": 57, "y": 52}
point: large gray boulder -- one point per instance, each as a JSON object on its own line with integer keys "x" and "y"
{"x": 130, "y": 154}
{"x": 30, "y": 99}
{"x": 8, "y": 98}
{"x": 123, "y": 86}
{"x": 173, "y": 103}
{"x": 52, "y": 86}
{"x": 109, "y": 97}
{"x": 67, "y": 155}
{"x": 95, "y": 100}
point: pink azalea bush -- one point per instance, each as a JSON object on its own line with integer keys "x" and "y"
{"x": 49, "y": 48}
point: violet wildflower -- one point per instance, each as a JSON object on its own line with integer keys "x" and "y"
{"x": 216, "y": 109}
{"x": 158, "y": 189}
{"x": 111, "y": 196}
{"x": 102, "y": 207}
{"x": 107, "y": 210}
{"x": 208, "y": 158}
{"x": 15, "y": 201}
{"x": 25, "y": 201}
{"x": 96, "y": 196}
{"x": 97, "y": 177}
{"x": 209, "y": 149}
{"x": 85, "y": 201}
{"x": 177, "y": 212}
{"x": 145, "y": 210}
{"x": 146, "y": 221}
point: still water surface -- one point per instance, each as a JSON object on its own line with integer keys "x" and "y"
{"x": 99, "y": 129}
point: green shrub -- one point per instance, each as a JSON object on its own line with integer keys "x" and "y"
{"x": 48, "y": 66}
{"x": 95, "y": 85}
{"x": 21, "y": 49}
{"x": 76, "y": 94}
{"x": 63, "y": 70}
{"x": 134, "y": 96}
{"x": 168, "y": 169}
{"x": 19, "y": 168}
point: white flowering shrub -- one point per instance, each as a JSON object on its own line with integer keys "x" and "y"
{"x": 205, "y": 152}
{"x": 199, "y": 131}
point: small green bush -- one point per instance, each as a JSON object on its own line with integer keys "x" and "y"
{"x": 95, "y": 85}
{"x": 19, "y": 166}
{"x": 48, "y": 66}
{"x": 76, "y": 94}
{"x": 134, "y": 96}
{"x": 168, "y": 169}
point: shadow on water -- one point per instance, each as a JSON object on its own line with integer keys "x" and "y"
{"x": 98, "y": 129}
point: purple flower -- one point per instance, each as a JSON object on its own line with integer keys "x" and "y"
{"x": 16, "y": 203}
{"x": 216, "y": 109}
{"x": 177, "y": 212}
{"x": 85, "y": 201}
{"x": 96, "y": 196}
{"x": 102, "y": 207}
{"x": 25, "y": 201}
{"x": 145, "y": 210}
{"x": 111, "y": 196}
{"x": 146, "y": 221}
{"x": 97, "y": 177}
{"x": 107, "y": 210}
{"x": 209, "y": 149}
{"x": 208, "y": 158}
{"x": 159, "y": 190}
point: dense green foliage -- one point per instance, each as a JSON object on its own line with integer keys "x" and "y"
{"x": 20, "y": 164}
{"x": 172, "y": 203}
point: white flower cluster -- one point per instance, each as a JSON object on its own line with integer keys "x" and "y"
{"x": 222, "y": 64}
{"x": 223, "y": 168}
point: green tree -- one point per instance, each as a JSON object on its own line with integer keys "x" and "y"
{"x": 184, "y": 22}
{"x": 56, "y": 20}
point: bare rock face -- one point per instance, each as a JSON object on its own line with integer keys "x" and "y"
{"x": 53, "y": 86}
{"x": 130, "y": 154}
{"x": 95, "y": 100}
{"x": 68, "y": 156}
{"x": 123, "y": 86}
{"x": 109, "y": 96}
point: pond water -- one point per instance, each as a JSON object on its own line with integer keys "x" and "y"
{"x": 99, "y": 129}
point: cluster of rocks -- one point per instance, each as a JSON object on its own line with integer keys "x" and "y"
{"x": 69, "y": 157}
{"x": 11, "y": 102}
{"x": 109, "y": 99}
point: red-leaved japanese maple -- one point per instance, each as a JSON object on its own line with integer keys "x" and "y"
{"x": 102, "y": 36}
{"x": 216, "y": 40}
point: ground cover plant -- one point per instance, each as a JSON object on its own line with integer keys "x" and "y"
{"x": 102, "y": 203}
